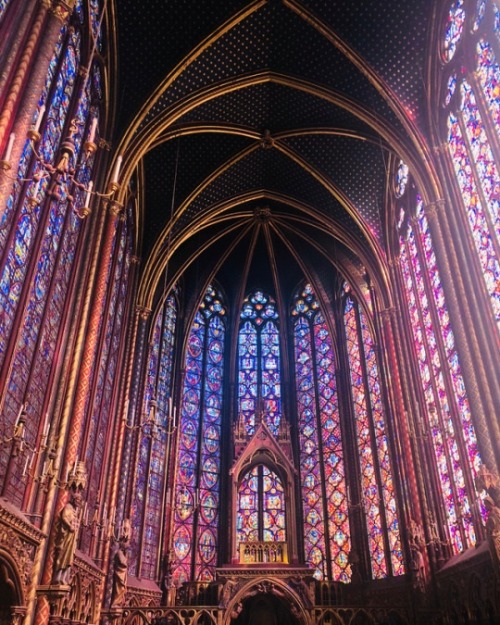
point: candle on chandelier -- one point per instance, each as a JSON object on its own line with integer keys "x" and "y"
{"x": 38, "y": 122}
{"x": 10, "y": 145}
{"x": 89, "y": 194}
{"x": 93, "y": 128}
{"x": 116, "y": 172}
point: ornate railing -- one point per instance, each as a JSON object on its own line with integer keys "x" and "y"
{"x": 261, "y": 552}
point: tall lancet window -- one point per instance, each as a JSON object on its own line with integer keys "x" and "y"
{"x": 40, "y": 236}
{"x": 148, "y": 507}
{"x": 446, "y": 414}
{"x": 259, "y": 378}
{"x": 261, "y": 507}
{"x": 322, "y": 470}
{"x": 197, "y": 486}
{"x": 378, "y": 498}
{"x": 472, "y": 99}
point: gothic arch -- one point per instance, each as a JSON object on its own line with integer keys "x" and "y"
{"x": 263, "y": 586}
{"x": 11, "y": 586}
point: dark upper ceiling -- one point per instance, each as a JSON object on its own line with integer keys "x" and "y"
{"x": 296, "y": 106}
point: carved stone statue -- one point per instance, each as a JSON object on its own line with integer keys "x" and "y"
{"x": 488, "y": 481}
{"x": 416, "y": 544}
{"x": 120, "y": 568}
{"x": 66, "y": 536}
{"x": 493, "y": 530}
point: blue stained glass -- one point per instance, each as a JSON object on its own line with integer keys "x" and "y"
{"x": 199, "y": 450}
{"x": 259, "y": 377}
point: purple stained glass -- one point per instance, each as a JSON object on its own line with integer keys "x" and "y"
{"x": 475, "y": 210}
{"x": 377, "y": 488}
{"x": 401, "y": 178}
{"x": 454, "y": 29}
{"x": 197, "y": 487}
{"x": 259, "y": 375}
{"x": 13, "y": 265}
{"x": 321, "y": 455}
{"x": 448, "y": 460}
{"x": 261, "y": 507}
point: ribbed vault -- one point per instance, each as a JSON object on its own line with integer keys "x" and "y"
{"x": 264, "y": 137}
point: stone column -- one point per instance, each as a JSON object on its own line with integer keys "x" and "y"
{"x": 94, "y": 304}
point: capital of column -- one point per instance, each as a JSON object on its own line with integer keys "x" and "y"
{"x": 143, "y": 312}
{"x": 62, "y": 9}
{"x": 388, "y": 313}
{"x": 115, "y": 208}
{"x": 431, "y": 209}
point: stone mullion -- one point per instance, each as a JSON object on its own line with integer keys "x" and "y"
{"x": 33, "y": 66}
{"x": 471, "y": 356}
{"x": 134, "y": 366}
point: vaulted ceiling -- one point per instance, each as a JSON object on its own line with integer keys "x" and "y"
{"x": 266, "y": 134}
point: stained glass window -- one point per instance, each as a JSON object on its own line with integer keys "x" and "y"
{"x": 197, "y": 486}
{"x": 454, "y": 29}
{"x": 3, "y": 8}
{"x": 378, "y": 498}
{"x": 448, "y": 416}
{"x": 40, "y": 236}
{"x": 472, "y": 126}
{"x": 259, "y": 377}
{"x": 158, "y": 416}
{"x": 322, "y": 470}
{"x": 261, "y": 507}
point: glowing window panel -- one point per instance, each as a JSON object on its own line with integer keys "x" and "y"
{"x": 448, "y": 460}
{"x": 197, "y": 485}
{"x": 3, "y": 8}
{"x": 259, "y": 376}
{"x": 401, "y": 178}
{"x": 454, "y": 28}
{"x": 475, "y": 211}
{"x": 14, "y": 264}
{"x": 382, "y": 448}
{"x": 209, "y": 485}
{"x": 488, "y": 71}
{"x": 451, "y": 87}
{"x": 378, "y": 496}
{"x": 480, "y": 11}
{"x": 261, "y": 507}
{"x": 321, "y": 455}
{"x": 460, "y": 396}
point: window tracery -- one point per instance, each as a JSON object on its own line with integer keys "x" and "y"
{"x": 378, "y": 496}
{"x": 259, "y": 377}
{"x": 322, "y": 469}
{"x": 197, "y": 487}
